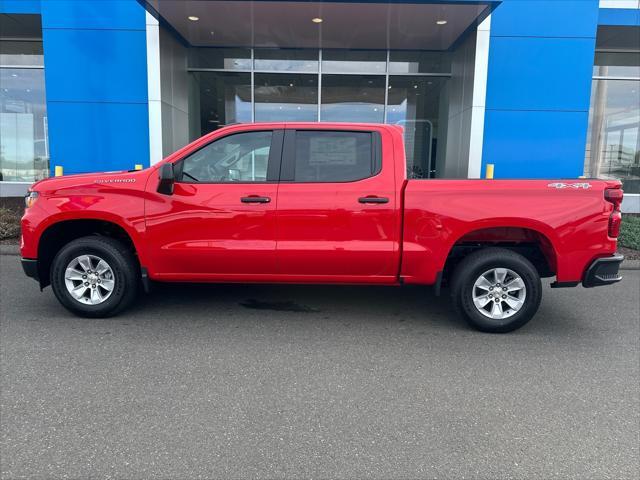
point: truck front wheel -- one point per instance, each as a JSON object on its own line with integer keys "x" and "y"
{"x": 496, "y": 290}
{"x": 95, "y": 276}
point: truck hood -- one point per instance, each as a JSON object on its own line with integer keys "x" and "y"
{"x": 123, "y": 177}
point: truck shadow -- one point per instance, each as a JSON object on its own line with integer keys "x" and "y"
{"x": 372, "y": 304}
{"x": 407, "y": 307}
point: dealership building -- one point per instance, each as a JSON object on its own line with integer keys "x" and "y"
{"x": 536, "y": 88}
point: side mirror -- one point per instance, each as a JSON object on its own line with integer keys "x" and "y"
{"x": 167, "y": 179}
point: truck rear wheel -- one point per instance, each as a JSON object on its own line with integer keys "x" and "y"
{"x": 95, "y": 276}
{"x": 496, "y": 290}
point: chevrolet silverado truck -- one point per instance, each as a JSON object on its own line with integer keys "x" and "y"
{"x": 317, "y": 203}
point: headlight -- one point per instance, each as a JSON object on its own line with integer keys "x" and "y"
{"x": 30, "y": 198}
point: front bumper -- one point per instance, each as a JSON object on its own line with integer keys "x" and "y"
{"x": 30, "y": 267}
{"x": 603, "y": 271}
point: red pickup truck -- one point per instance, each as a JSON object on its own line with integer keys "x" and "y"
{"x": 317, "y": 203}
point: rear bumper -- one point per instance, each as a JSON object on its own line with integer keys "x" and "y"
{"x": 30, "y": 268}
{"x": 603, "y": 271}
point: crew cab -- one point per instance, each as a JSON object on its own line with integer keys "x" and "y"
{"x": 318, "y": 203}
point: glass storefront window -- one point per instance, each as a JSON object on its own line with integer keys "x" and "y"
{"x": 222, "y": 58}
{"x": 351, "y": 98}
{"x": 24, "y": 149}
{"x": 221, "y": 98}
{"x": 286, "y": 97}
{"x": 350, "y": 86}
{"x": 414, "y": 103}
{"x": 24, "y": 144}
{"x": 419, "y": 62}
{"x": 354, "y": 61}
{"x": 613, "y": 146}
{"x": 21, "y": 53}
{"x": 284, "y": 60}
{"x": 617, "y": 64}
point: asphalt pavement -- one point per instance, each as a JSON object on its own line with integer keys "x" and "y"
{"x": 262, "y": 381}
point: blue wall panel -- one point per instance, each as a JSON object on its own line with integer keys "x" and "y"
{"x": 89, "y": 137}
{"x": 535, "y": 144}
{"x": 20, "y": 6}
{"x": 96, "y": 81}
{"x": 103, "y": 65}
{"x": 540, "y": 73}
{"x": 619, "y": 16}
{"x": 539, "y": 87}
{"x": 545, "y": 18}
{"x": 95, "y": 14}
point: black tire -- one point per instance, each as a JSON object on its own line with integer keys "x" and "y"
{"x": 125, "y": 269}
{"x": 473, "y": 266}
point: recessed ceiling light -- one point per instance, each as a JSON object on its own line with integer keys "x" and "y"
{"x": 193, "y": 18}
{"x": 441, "y": 22}
{"x": 316, "y": 20}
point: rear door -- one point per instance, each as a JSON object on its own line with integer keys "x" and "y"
{"x": 337, "y": 209}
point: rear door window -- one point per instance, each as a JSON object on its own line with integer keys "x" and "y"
{"x": 330, "y": 156}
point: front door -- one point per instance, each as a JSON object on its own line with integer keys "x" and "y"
{"x": 219, "y": 224}
{"x": 337, "y": 207}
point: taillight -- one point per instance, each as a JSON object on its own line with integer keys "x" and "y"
{"x": 614, "y": 195}
{"x": 614, "y": 224}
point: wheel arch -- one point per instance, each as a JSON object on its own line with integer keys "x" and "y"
{"x": 536, "y": 242}
{"x": 62, "y": 230}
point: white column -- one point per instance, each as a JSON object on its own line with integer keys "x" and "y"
{"x": 479, "y": 98}
{"x": 620, "y": 4}
{"x": 153, "y": 87}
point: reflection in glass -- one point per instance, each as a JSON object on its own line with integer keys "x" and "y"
{"x": 401, "y": 61}
{"x": 24, "y": 149}
{"x": 221, "y": 98}
{"x": 350, "y": 98}
{"x": 617, "y": 64}
{"x": 18, "y": 53}
{"x": 613, "y": 146}
{"x": 286, "y": 97}
{"x": 227, "y": 58}
{"x": 283, "y": 60}
{"x": 333, "y": 156}
{"x": 414, "y": 102}
{"x": 242, "y": 157}
{"x": 354, "y": 61}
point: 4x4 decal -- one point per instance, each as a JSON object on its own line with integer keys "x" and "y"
{"x": 569, "y": 185}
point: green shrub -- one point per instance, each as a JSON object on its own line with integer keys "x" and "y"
{"x": 630, "y": 232}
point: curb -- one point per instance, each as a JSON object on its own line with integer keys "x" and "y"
{"x": 630, "y": 265}
{"x": 10, "y": 250}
